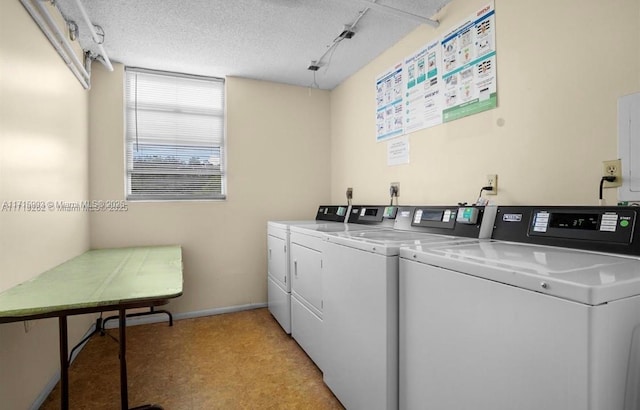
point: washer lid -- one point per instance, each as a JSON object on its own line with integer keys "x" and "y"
{"x": 587, "y": 277}
{"x": 389, "y": 242}
{"x": 320, "y": 229}
{"x": 286, "y": 224}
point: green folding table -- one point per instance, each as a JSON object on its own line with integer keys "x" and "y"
{"x": 98, "y": 280}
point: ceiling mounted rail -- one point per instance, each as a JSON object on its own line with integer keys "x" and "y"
{"x": 96, "y": 38}
{"x": 40, "y": 13}
{"x": 399, "y": 13}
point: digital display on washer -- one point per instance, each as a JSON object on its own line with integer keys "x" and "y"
{"x": 369, "y": 211}
{"x": 428, "y": 215}
{"x": 434, "y": 218}
{"x": 587, "y": 222}
{"x": 569, "y": 227}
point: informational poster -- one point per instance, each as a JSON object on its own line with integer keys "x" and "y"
{"x": 469, "y": 62}
{"x": 450, "y": 78}
{"x": 398, "y": 151}
{"x": 422, "y": 89}
{"x": 389, "y": 103}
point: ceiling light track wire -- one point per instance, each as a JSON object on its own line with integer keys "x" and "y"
{"x": 400, "y": 13}
{"x": 347, "y": 33}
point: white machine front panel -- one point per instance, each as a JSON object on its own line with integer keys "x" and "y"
{"x": 306, "y": 274}
{"x": 278, "y": 261}
{"x": 279, "y": 304}
{"x": 306, "y": 329}
{"x": 468, "y": 343}
{"x": 581, "y": 276}
{"x": 471, "y": 343}
{"x": 360, "y": 320}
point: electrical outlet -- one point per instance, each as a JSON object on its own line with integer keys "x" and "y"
{"x": 612, "y": 168}
{"x": 492, "y": 181}
{"x": 349, "y": 193}
{"x": 394, "y": 189}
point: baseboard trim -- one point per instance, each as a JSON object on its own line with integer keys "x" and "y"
{"x": 219, "y": 311}
{"x": 141, "y": 320}
{"x": 161, "y": 317}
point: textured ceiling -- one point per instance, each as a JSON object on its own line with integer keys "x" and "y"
{"x": 273, "y": 40}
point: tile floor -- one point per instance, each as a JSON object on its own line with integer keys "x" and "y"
{"x": 238, "y": 360}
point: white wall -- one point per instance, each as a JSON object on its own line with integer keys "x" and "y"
{"x": 43, "y": 157}
{"x": 561, "y": 67}
{"x": 278, "y": 162}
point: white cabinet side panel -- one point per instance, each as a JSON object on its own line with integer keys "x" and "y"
{"x": 360, "y": 327}
{"x": 629, "y": 146}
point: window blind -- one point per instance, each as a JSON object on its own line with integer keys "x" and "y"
{"x": 174, "y": 136}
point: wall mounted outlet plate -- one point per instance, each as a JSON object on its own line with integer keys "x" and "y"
{"x": 492, "y": 181}
{"x": 612, "y": 168}
{"x": 394, "y": 189}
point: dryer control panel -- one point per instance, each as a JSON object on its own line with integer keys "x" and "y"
{"x": 605, "y": 229}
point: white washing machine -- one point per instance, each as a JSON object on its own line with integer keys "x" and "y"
{"x": 306, "y": 259}
{"x": 360, "y": 291}
{"x": 278, "y": 246}
{"x": 545, "y": 317}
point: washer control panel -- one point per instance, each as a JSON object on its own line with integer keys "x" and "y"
{"x": 434, "y": 217}
{"x": 602, "y": 228}
{"x": 335, "y": 213}
{"x": 613, "y": 226}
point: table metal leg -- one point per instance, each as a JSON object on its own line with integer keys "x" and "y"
{"x": 64, "y": 363}
{"x": 124, "y": 398}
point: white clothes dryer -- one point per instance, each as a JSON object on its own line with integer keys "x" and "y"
{"x": 306, "y": 267}
{"x": 278, "y": 246}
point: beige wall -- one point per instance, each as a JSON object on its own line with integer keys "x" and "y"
{"x": 561, "y": 67}
{"x": 278, "y": 161}
{"x": 43, "y": 157}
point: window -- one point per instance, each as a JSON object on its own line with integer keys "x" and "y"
{"x": 174, "y": 136}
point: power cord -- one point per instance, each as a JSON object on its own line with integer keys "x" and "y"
{"x": 481, "y": 201}
{"x": 485, "y": 188}
{"x": 393, "y": 192}
{"x": 608, "y": 178}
